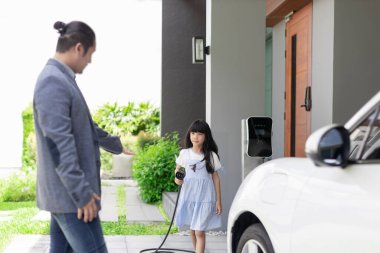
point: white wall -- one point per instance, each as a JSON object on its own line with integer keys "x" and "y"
{"x": 346, "y": 58}
{"x": 322, "y": 63}
{"x": 235, "y": 80}
{"x": 356, "y": 55}
{"x": 126, "y": 66}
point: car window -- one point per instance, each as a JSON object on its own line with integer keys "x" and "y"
{"x": 365, "y": 139}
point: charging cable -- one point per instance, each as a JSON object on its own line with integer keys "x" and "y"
{"x": 179, "y": 175}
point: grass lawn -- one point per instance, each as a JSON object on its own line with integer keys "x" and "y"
{"x": 24, "y": 211}
{"x": 21, "y": 222}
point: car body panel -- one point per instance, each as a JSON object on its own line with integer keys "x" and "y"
{"x": 338, "y": 211}
{"x": 256, "y": 193}
{"x": 310, "y": 208}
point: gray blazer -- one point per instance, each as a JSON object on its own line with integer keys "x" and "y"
{"x": 68, "y": 158}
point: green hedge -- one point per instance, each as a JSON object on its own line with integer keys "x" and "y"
{"x": 29, "y": 150}
{"x": 129, "y": 119}
{"x": 153, "y": 168}
{"x": 146, "y": 139}
{"x": 20, "y": 186}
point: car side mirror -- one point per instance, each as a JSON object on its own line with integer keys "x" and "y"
{"x": 329, "y": 146}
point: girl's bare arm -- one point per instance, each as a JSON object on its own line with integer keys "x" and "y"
{"x": 216, "y": 179}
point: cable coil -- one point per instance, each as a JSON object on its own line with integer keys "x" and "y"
{"x": 168, "y": 250}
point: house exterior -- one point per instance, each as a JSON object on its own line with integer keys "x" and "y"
{"x": 266, "y": 58}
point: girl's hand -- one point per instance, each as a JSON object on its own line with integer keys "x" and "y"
{"x": 218, "y": 208}
{"x": 177, "y": 181}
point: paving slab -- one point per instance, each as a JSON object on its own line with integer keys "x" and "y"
{"x": 109, "y": 210}
{"x": 119, "y": 243}
{"x": 117, "y": 182}
{"x": 140, "y": 212}
{"x": 29, "y": 244}
{"x": 6, "y": 215}
{"x": 42, "y": 216}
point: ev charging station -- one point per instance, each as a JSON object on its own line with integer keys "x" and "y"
{"x": 256, "y": 142}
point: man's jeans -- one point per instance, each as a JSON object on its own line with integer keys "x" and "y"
{"x": 68, "y": 234}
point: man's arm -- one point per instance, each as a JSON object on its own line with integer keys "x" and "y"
{"x": 108, "y": 142}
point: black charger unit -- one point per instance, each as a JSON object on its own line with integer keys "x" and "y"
{"x": 259, "y": 136}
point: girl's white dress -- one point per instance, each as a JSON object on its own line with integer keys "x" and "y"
{"x": 197, "y": 201}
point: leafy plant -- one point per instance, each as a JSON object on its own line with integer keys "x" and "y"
{"x": 129, "y": 119}
{"x": 146, "y": 118}
{"x": 20, "y": 186}
{"x": 146, "y": 139}
{"x": 153, "y": 168}
{"x": 106, "y": 160}
{"x": 29, "y": 149}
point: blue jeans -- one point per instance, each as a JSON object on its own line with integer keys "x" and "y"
{"x": 68, "y": 234}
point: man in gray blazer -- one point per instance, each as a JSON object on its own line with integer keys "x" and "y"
{"x": 68, "y": 141}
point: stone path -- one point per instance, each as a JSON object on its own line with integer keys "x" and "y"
{"x": 120, "y": 244}
{"x": 6, "y": 215}
{"x": 139, "y": 212}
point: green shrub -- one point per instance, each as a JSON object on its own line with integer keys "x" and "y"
{"x": 126, "y": 121}
{"x": 29, "y": 149}
{"x": 111, "y": 117}
{"x": 130, "y": 142}
{"x": 146, "y": 139}
{"x": 106, "y": 160}
{"x": 20, "y": 186}
{"x": 146, "y": 118}
{"x": 129, "y": 119}
{"x": 153, "y": 168}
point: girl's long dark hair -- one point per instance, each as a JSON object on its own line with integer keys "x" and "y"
{"x": 209, "y": 145}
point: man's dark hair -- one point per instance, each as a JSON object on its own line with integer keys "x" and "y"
{"x": 73, "y": 33}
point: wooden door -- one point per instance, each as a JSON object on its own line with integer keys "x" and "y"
{"x": 298, "y": 81}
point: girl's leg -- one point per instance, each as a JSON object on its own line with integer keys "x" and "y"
{"x": 193, "y": 238}
{"x": 201, "y": 241}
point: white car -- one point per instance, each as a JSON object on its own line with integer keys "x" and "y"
{"x": 328, "y": 202}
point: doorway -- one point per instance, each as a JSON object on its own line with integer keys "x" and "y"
{"x": 298, "y": 81}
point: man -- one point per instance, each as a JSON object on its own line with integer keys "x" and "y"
{"x": 68, "y": 160}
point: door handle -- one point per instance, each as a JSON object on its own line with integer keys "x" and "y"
{"x": 307, "y": 104}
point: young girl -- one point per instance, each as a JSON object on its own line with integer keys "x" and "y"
{"x": 199, "y": 205}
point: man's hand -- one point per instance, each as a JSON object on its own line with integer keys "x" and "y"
{"x": 90, "y": 210}
{"x": 127, "y": 152}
